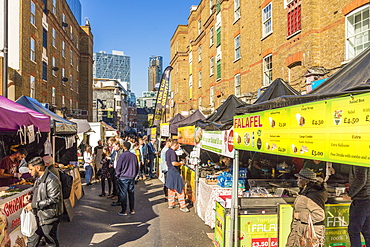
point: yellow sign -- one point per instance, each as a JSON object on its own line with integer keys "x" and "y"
{"x": 335, "y": 130}
{"x": 186, "y": 135}
{"x": 153, "y": 133}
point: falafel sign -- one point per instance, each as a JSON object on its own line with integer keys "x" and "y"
{"x": 335, "y": 130}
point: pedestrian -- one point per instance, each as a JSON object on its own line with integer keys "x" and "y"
{"x": 318, "y": 166}
{"x": 46, "y": 203}
{"x": 117, "y": 147}
{"x": 126, "y": 171}
{"x": 174, "y": 181}
{"x": 152, "y": 154}
{"x": 98, "y": 152}
{"x": 164, "y": 167}
{"x": 309, "y": 204}
{"x": 9, "y": 166}
{"x": 88, "y": 159}
{"x": 50, "y": 165}
{"x": 105, "y": 174}
{"x": 359, "y": 212}
{"x": 143, "y": 158}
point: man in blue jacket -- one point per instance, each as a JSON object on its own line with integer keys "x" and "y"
{"x": 126, "y": 171}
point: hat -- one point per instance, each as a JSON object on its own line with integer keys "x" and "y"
{"x": 306, "y": 173}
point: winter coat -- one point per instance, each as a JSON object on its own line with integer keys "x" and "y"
{"x": 311, "y": 200}
{"x": 47, "y": 198}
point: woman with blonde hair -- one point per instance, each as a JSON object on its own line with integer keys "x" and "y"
{"x": 88, "y": 159}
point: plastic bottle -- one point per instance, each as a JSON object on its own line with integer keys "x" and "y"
{"x": 252, "y": 139}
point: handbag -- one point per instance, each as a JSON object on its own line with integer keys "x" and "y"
{"x": 309, "y": 237}
{"x": 28, "y": 223}
{"x": 99, "y": 172}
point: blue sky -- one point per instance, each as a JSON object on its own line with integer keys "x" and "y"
{"x": 140, "y": 28}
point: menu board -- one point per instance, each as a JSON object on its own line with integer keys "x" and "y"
{"x": 335, "y": 130}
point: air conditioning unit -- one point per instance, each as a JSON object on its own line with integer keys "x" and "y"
{"x": 76, "y": 112}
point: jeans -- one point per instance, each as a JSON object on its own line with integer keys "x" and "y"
{"x": 359, "y": 222}
{"x": 49, "y": 231}
{"x": 126, "y": 188}
{"x": 151, "y": 167}
{"x": 88, "y": 173}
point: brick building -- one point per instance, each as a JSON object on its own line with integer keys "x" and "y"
{"x": 240, "y": 47}
{"x": 50, "y": 55}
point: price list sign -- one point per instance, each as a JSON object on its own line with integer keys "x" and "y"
{"x": 335, "y": 130}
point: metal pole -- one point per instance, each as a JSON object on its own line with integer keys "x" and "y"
{"x": 5, "y": 51}
{"x": 234, "y": 202}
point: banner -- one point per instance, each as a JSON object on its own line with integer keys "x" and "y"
{"x": 220, "y": 142}
{"x": 153, "y": 133}
{"x": 335, "y": 130}
{"x": 165, "y": 129}
{"x": 162, "y": 94}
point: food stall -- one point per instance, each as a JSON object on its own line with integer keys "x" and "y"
{"x": 331, "y": 130}
{"x": 18, "y": 125}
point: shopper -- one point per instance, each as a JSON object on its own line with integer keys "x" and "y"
{"x": 98, "y": 153}
{"x": 50, "y": 165}
{"x": 152, "y": 154}
{"x": 117, "y": 147}
{"x": 46, "y": 203}
{"x": 174, "y": 181}
{"x": 309, "y": 203}
{"x": 88, "y": 159}
{"x": 126, "y": 171}
{"x": 143, "y": 158}
{"x": 359, "y": 212}
{"x": 318, "y": 166}
{"x": 164, "y": 167}
{"x": 105, "y": 175}
{"x": 9, "y": 165}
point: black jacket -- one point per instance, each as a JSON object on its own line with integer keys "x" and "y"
{"x": 47, "y": 198}
{"x": 359, "y": 183}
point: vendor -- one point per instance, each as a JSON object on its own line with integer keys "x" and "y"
{"x": 256, "y": 167}
{"x": 318, "y": 166}
{"x": 9, "y": 165}
{"x": 225, "y": 164}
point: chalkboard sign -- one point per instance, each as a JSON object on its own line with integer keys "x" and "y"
{"x": 68, "y": 208}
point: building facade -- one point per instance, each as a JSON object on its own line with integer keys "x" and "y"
{"x": 50, "y": 55}
{"x": 113, "y": 66}
{"x": 155, "y": 70}
{"x": 240, "y": 47}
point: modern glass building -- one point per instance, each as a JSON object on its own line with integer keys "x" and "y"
{"x": 155, "y": 72}
{"x": 112, "y": 66}
{"x": 75, "y": 6}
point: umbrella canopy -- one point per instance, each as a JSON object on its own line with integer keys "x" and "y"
{"x": 197, "y": 115}
{"x": 82, "y": 125}
{"x": 13, "y": 116}
{"x": 59, "y": 124}
{"x": 276, "y": 89}
{"x": 176, "y": 118}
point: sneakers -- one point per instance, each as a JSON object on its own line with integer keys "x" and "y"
{"x": 122, "y": 214}
{"x": 185, "y": 210}
{"x": 171, "y": 207}
{"x": 116, "y": 204}
{"x": 132, "y": 212}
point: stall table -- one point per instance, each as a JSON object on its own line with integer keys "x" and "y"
{"x": 206, "y": 200}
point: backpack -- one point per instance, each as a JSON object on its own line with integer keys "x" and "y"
{"x": 66, "y": 180}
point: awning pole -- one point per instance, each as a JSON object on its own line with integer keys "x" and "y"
{"x": 234, "y": 219}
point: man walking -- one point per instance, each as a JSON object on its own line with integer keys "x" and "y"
{"x": 126, "y": 171}
{"x": 359, "y": 212}
{"x": 164, "y": 167}
{"x": 174, "y": 181}
{"x": 152, "y": 153}
{"x": 50, "y": 165}
{"x": 113, "y": 164}
{"x": 46, "y": 203}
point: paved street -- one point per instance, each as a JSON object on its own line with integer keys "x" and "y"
{"x": 96, "y": 222}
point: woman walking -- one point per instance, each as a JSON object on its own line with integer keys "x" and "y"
{"x": 105, "y": 172}
{"x": 308, "y": 207}
{"x": 88, "y": 159}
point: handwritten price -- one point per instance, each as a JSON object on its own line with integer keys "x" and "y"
{"x": 353, "y": 120}
{"x": 317, "y": 122}
{"x": 282, "y": 124}
{"x": 316, "y": 153}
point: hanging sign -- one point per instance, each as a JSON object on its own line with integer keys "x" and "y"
{"x": 220, "y": 142}
{"x": 165, "y": 129}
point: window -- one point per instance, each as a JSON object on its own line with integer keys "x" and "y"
{"x": 77, "y": 104}
{"x": 267, "y": 20}
{"x": 77, "y": 63}
{"x": 44, "y": 38}
{"x": 53, "y": 95}
{"x": 211, "y": 36}
{"x": 190, "y": 80}
{"x": 218, "y": 69}
{"x": 53, "y": 63}
{"x": 77, "y": 86}
{"x": 237, "y": 84}
{"x": 200, "y": 53}
{"x": 71, "y": 32}
{"x": 212, "y": 66}
{"x": 294, "y": 17}
{"x": 210, "y": 6}
{"x": 71, "y": 82}
{"x": 63, "y": 20}
{"x": 63, "y": 49}
{"x": 32, "y": 87}
{"x": 32, "y": 49}
{"x": 70, "y": 104}
{"x": 237, "y": 47}
{"x": 54, "y": 37}
{"x": 200, "y": 75}
{"x": 267, "y": 70}
{"x": 54, "y": 8}
{"x": 199, "y": 26}
{"x": 236, "y": 10}
{"x": 63, "y": 76}
{"x": 200, "y": 102}
{"x": 44, "y": 71}
{"x": 358, "y": 32}
{"x": 63, "y": 101}
{"x": 218, "y": 41}
{"x": 71, "y": 56}
{"x": 33, "y": 13}
{"x": 190, "y": 56}
{"x": 211, "y": 96}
